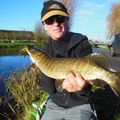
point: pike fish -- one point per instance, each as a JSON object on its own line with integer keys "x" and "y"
{"x": 92, "y": 68}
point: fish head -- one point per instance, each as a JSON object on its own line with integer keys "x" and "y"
{"x": 31, "y": 49}
{"x": 33, "y": 52}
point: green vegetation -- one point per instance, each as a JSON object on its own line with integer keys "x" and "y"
{"x": 24, "y": 84}
{"x": 25, "y": 88}
{"x": 23, "y": 36}
{"x": 14, "y": 48}
{"x": 18, "y": 44}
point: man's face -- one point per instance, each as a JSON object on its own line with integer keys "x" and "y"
{"x": 56, "y": 26}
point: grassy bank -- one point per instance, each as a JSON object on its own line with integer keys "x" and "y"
{"x": 25, "y": 89}
{"x": 23, "y": 85}
{"x": 19, "y": 44}
{"x": 14, "y": 48}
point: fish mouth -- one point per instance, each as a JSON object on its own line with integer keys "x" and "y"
{"x": 27, "y": 49}
{"x": 23, "y": 50}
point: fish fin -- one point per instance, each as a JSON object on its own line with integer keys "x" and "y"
{"x": 33, "y": 66}
{"x": 98, "y": 83}
{"x": 100, "y": 59}
{"x": 113, "y": 70}
{"x": 103, "y": 61}
{"x": 58, "y": 84}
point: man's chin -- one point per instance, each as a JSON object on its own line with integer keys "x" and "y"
{"x": 57, "y": 37}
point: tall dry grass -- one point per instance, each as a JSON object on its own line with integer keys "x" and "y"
{"x": 25, "y": 89}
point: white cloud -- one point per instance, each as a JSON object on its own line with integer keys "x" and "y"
{"x": 88, "y": 10}
{"x": 114, "y": 1}
{"x": 92, "y": 5}
{"x": 85, "y": 12}
{"x": 91, "y": 17}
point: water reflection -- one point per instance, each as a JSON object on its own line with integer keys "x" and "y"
{"x": 9, "y": 51}
{"x": 9, "y": 64}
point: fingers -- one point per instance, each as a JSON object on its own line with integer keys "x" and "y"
{"x": 67, "y": 83}
{"x": 74, "y": 82}
{"x": 81, "y": 82}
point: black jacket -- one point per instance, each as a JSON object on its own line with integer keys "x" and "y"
{"x": 71, "y": 45}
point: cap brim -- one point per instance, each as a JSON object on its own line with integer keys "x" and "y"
{"x": 52, "y": 13}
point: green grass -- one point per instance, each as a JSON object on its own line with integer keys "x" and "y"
{"x": 21, "y": 44}
{"x": 25, "y": 88}
{"x": 8, "y": 48}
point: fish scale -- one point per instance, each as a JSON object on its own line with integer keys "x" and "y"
{"x": 58, "y": 68}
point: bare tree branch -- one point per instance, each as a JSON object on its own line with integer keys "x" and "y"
{"x": 114, "y": 20}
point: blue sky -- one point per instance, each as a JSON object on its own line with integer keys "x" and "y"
{"x": 90, "y": 17}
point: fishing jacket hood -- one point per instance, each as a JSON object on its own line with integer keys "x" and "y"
{"x": 71, "y": 45}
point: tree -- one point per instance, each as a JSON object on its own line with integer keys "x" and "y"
{"x": 1, "y": 35}
{"x": 114, "y": 20}
{"x": 71, "y": 6}
{"x": 39, "y": 33}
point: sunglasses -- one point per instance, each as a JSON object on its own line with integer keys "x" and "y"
{"x": 58, "y": 18}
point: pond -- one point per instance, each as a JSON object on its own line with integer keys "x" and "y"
{"x": 10, "y": 61}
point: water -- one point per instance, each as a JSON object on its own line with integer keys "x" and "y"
{"x": 9, "y": 64}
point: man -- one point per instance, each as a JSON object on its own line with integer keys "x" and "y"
{"x": 72, "y": 103}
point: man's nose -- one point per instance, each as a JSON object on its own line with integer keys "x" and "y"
{"x": 55, "y": 22}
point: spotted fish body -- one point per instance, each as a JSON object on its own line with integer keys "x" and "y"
{"x": 58, "y": 68}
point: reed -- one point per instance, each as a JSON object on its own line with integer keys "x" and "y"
{"x": 25, "y": 89}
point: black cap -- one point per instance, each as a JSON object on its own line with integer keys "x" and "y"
{"x": 51, "y": 8}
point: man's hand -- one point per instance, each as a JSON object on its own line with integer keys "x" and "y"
{"x": 74, "y": 82}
